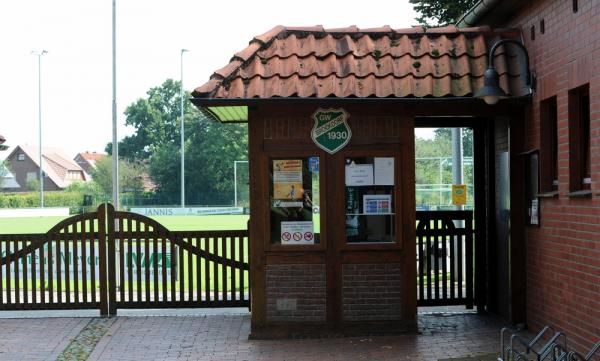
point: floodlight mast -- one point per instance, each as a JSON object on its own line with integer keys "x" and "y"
{"x": 39, "y": 54}
{"x": 182, "y": 131}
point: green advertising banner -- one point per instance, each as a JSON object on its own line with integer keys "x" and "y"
{"x": 331, "y": 131}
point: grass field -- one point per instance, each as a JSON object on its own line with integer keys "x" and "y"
{"x": 173, "y": 223}
{"x": 22, "y": 225}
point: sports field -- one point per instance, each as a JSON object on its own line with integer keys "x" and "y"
{"x": 173, "y": 223}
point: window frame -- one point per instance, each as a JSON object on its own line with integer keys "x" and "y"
{"x": 399, "y": 210}
{"x": 297, "y": 154}
{"x": 549, "y": 172}
{"x": 579, "y": 139}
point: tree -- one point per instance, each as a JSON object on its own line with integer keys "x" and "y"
{"x": 440, "y": 12}
{"x": 3, "y": 172}
{"x": 210, "y": 147}
{"x": 433, "y": 166}
{"x": 130, "y": 175}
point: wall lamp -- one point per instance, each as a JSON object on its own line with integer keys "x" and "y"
{"x": 491, "y": 92}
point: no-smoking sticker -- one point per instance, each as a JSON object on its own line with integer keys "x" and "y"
{"x": 300, "y": 232}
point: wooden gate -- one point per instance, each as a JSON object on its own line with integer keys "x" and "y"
{"x": 108, "y": 260}
{"x": 445, "y": 258}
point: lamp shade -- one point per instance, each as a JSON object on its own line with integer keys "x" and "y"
{"x": 491, "y": 92}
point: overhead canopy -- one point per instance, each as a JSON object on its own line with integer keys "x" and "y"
{"x": 351, "y": 63}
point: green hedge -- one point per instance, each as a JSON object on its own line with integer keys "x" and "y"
{"x": 32, "y": 199}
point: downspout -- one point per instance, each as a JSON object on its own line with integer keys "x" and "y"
{"x": 476, "y": 13}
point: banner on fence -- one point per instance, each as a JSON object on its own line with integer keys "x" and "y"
{"x": 137, "y": 262}
{"x": 187, "y": 211}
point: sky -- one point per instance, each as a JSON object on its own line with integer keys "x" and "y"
{"x": 76, "y": 74}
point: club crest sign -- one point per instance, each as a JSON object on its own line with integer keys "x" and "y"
{"x": 331, "y": 131}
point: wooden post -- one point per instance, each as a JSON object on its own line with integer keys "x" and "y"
{"x": 102, "y": 259}
{"x": 112, "y": 279}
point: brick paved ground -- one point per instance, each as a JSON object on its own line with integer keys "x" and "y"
{"x": 225, "y": 337}
{"x": 37, "y": 339}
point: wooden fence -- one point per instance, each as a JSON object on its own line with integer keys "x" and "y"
{"x": 108, "y": 260}
{"x": 445, "y": 258}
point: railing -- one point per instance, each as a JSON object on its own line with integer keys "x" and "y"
{"x": 131, "y": 261}
{"x": 445, "y": 258}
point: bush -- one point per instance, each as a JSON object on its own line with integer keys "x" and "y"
{"x": 32, "y": 199}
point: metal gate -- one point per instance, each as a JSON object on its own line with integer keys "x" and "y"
{"x": 108, "y": 260}
{"x": 445, "y": 258}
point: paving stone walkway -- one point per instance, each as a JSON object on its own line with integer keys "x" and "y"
{"x": 37, "y": 339}
{"x": 225, "y": 337}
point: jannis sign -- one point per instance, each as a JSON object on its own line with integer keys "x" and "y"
{"x": 331, "y": 131}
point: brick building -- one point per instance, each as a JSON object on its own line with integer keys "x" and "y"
{"x": 563, "y": 123}
{"x": 536, "y": 258}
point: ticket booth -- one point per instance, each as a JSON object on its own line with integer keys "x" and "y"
{"x": 331, "y": 117}
{"x": 339, "y": 184}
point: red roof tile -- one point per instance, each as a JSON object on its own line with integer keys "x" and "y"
{"x": 352, "y": 62}
{"x": 92, "y": 155}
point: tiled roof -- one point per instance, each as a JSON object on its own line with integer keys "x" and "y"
{"x": 56, "y": 163}
{"x": 299, "y": 62}
{"x": 91, "y": 155}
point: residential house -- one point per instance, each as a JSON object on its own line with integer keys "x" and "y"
{"x": 87, "y": 160}
{"x": 59, "y": 169}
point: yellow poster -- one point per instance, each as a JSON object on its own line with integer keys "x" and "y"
{"x": 287, "y": 179}
{"x": 459, "y": 194}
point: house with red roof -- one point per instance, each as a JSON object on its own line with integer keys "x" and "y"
{"x": 87, "y": 160}
{"x": 59, "y": 169}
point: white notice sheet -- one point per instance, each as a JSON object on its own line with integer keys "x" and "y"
{"x": 384, "y": 171}
{"x": 359, "y": 175}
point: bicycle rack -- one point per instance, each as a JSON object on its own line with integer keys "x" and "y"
{"x": 521, "y": 349}
{"x": 575, "y": 356}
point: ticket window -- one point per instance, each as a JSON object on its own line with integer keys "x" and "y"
{"x": 295, "y": 200}
{"x": 370, "y": 200}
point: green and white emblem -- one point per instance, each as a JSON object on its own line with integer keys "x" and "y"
{"x": 331, "y": 131}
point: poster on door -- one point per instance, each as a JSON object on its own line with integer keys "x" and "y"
{"x": 287, "y": 179}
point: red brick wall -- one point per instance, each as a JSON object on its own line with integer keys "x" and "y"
{"x": 296, "y": 293}
{"x": 563, "y": 267}
{"x": 372, "y": 292}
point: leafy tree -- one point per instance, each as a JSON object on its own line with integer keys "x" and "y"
{"x": 440, "y": 12}
{"x": 33, "y": 185}
{"x": 433, "y": 166}
{"x": 3, "y": 172}
{"x": 445, "y": 134}
{"x": 210, "y": 147}
{"x": 130, "y": 175}
{"x": 91, "y": 188}
{"x": 156, "y": 122}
